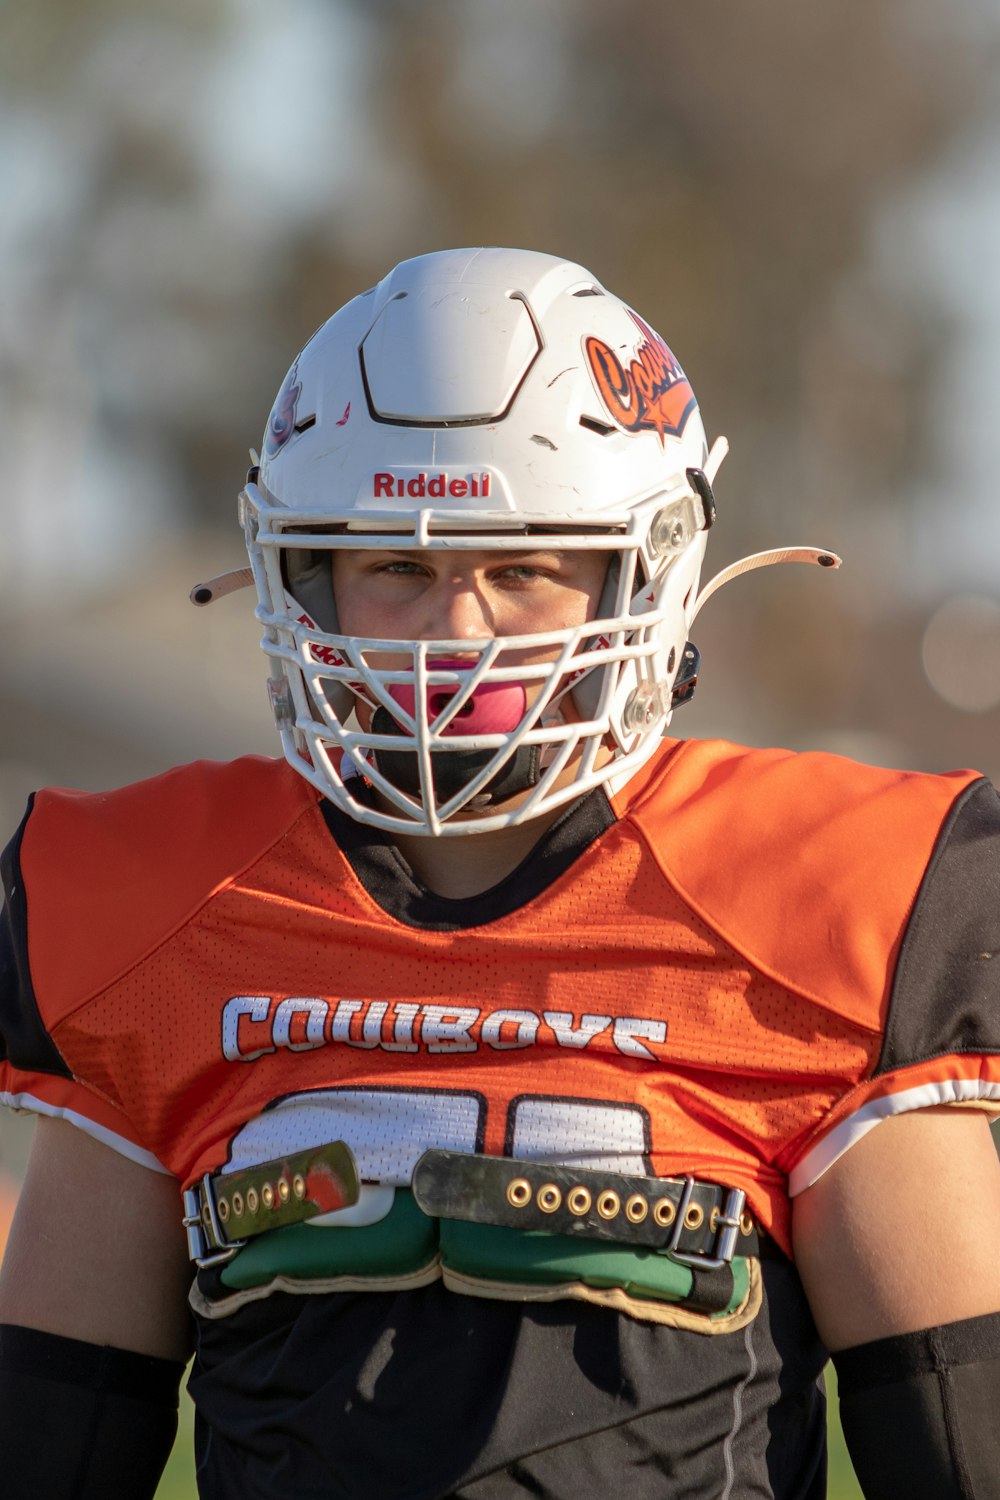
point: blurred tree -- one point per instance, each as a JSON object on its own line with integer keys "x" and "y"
{"x": 721, "y": 165}
{"x": 193, "y": 191}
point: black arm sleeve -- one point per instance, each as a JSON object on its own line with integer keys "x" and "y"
{"x": 921, "y": 1412}
{"x": 82, "y": 1422}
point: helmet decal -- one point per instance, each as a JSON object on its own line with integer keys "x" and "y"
{"x": 281, "y": 423}
{"x": 651, "y": 393}
{"x": 422, "y": 485}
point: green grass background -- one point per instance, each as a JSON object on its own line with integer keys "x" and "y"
{"x": 178, "y": 1477}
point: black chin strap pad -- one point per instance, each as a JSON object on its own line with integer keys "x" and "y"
{"x": 921, "y": 1412}
{"x": 452, "y": 770}
{"x": 82, "y": 1422}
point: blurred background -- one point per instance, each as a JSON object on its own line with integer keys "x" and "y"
{"x": 802, "y": 200}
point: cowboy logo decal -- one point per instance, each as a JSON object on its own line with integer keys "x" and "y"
{"x": 650, "y": 392}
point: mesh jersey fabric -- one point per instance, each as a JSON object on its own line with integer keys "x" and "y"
{"x": 201, "y": 977}
{"x": 749, "y": 957}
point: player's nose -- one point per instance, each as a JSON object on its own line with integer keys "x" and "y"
{"x": 461, "y": 611}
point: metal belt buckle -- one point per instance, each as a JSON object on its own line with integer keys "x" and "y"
{"x": 265, "y": 1196}
{"x": 728, "y": 1227}
{"x": 204, "y": 1227}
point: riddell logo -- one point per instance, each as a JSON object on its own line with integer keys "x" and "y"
{"x": 650, "y": 392}
{"x": 431, "y": 486}
{"x": 313, "y": 651}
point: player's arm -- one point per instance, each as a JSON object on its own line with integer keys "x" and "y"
{"x": 898, "y": 1247}
{"x": 94, "y": 1327}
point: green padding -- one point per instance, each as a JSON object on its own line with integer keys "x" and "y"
{"x": 404, "y": 1241}
{"x": 495, "y": 1253}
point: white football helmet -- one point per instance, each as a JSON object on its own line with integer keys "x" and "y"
{"x": 476, "y": 399}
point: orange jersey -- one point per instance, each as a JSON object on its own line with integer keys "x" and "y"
{"x": 727, "y": 975}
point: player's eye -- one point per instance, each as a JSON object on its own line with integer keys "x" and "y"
{"x": 522, "y": 571}
{"x": 400, "y": 567}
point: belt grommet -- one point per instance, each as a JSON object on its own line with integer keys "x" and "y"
{"x": 224, "y": 1209}
{"x": 267, "y": 1195}
{"x": 284, "y": 1191}
{"x": 694, "y": 1218}
{"x": 713, "y": 1219}
{"x": 548, "y": 1198}
{"x": 746, "y": 1223}
{"x": 636, "y": 1209}
{"x": 206, "y": 1216}
{"x": 253, "y": 1202}
{"x": 237, "y": 1204}
{"x": 578, "y": 1200}
{"x": 519, "y": 1192}
{"x": 299, "y": 1186}
{"x": 608, "y": 1204}
{"x": 664, "y": 1212}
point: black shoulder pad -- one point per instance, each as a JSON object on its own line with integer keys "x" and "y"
{"x": 23, "y": 1037}
{"x": 946, "y": 994}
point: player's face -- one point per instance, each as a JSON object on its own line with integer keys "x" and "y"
{"x": 413, "y": 595}
{"x": 473, "y": 596}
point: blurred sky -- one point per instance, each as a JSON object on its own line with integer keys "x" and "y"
{"x": 188, "y": 190}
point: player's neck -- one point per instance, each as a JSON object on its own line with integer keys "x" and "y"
{"x": 459, "y": 867}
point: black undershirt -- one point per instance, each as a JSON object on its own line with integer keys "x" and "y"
{"x": 392, "y": 885}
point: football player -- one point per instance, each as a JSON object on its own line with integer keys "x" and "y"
{"x": 540, "y": 1097}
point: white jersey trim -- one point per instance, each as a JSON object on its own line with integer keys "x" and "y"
{"x": 119, "y": 1143}
{"x": 847, "y": 1134}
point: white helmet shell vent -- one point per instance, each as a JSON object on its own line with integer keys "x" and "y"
{"x": 438, "y": 322}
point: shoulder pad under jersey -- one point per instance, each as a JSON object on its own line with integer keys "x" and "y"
{"x": 108, "y": 875}
{"x": 808, "y": 864}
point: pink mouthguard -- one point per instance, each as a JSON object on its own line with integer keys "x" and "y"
{"x": 494, "y": 708}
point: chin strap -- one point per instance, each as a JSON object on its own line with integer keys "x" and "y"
{"x": 764, "y": 560}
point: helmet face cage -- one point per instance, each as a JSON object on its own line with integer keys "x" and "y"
{"x": 517, "y": 468}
